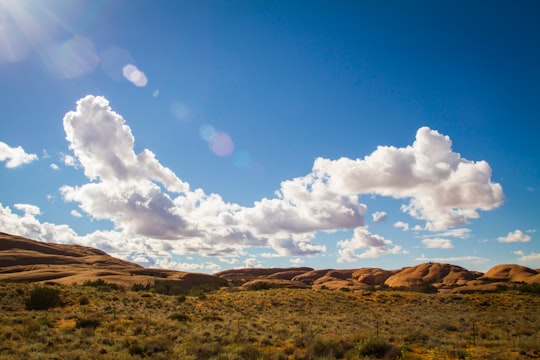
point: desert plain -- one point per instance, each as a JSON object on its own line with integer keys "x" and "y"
{"x": 73, "y": 302}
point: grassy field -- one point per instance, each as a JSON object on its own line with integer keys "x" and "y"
{"x": 103, "y": 322}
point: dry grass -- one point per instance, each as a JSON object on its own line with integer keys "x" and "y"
{"x": 268, "y": 324}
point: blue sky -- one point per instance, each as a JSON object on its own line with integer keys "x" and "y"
{"x": 206, "y": 135}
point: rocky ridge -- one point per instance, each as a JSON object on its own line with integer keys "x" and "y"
{"x": 27, "y": 260}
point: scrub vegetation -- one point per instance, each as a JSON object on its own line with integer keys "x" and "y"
{"x": 98, "y": 321}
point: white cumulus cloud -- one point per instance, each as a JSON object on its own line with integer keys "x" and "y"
{"x": 443, "y": 188}
{"x": 15, "y": 156}
{"x": 28, "y": 209}
{"x": 372, "y": 245}
{"x": 157, "y": 215}
{"x": 515, "y": 236}
{"x": 379, "y": 216}
{"x": 401, "y": 225}
{"x": 75, "y": 213}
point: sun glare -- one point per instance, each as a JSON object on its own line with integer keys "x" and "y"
{"x": 17, "y": 28}
{"x": 31, "y": 27}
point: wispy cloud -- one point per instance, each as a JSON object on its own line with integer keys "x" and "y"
{"x": 15, "y": 156}
{"x": 438, "y": 243}
{"x": 461, "y": 233}
{"x": 451, "y": 259}
{"x": 532, "y": 259}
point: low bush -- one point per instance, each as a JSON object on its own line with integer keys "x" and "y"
{"x": 167, "y": 288}
{"x": 530, "y": 288}
{"x": 249, "y": 352}
{"x": 102, "y": 285}
{"x": 326, "y": 347}
{"x": 139, "y": 287}
{"x": 424, "y": 288}
{"x": 87, "y": 323}
{"x": 43, "y": 298}
{"x": 377, "y": 348}
{"x": 83, "y": 300}
{"x": 180, "y": 317}
{"x": 136, "y": 349}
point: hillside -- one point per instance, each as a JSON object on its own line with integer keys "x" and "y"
{"x": 27, "y": 260}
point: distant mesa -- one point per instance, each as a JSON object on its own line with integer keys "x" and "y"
{"x": 27, "y": 260}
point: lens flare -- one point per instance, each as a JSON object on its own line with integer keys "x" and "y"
{"x": 12, "y": 42}
{"x": 241, "y": 158}
{"x": 72, "y": 58}
{"x": 137, "y": 77}
{"x": 221, "y": 144}
{"x": 113, "y": 60}
{"x": 180, "y": 110}
{"x": 207, "y": 132}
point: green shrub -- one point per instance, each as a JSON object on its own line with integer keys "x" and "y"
{"x": 180, "y": 317}
{"x": 87, "y": 323}
{"x": 425, "y": 288}
{"x": 326, "y": 347}
{"x": 249, "y": 352}
{"x": 136, "y": 349}
{"x": 168, "y": 288}
{"x": 139, "y": 287}
{"x": 83, "y": 300}
{"x": 102, "y": 285}
{"x": 530, "y": 288}
{"x": 201, "y": 290}
{"x": 375, "y": 347}
{"x": 260, "y": 285}
{"x": 42, "y": 298}
{"x": 416, "y": 337}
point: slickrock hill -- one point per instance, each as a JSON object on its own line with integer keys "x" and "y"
{"x": 16, "y": 251}
{"x": 430, "y": 273}
{"x": 28, "y": 260}
{"x": 309, "y": 277}
{"x": 512, "y": 273}
{"x": 372, "y": 276}
{"x": 247, "y": 274}
{"x": 261, "y": 284}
